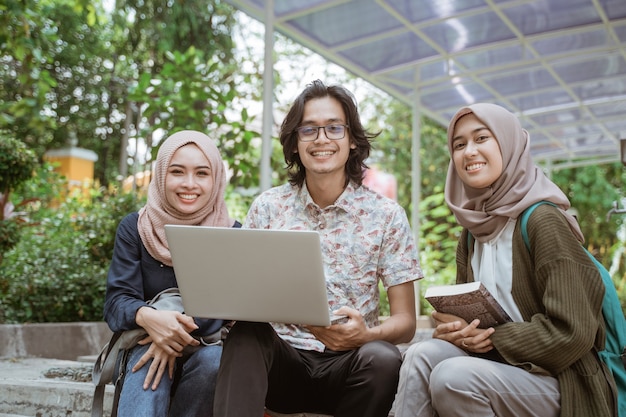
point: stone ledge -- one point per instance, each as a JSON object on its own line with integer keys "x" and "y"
{"x": 67, "y": 341}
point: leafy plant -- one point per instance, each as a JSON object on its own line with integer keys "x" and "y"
{"x": 17, "y": 164}
{"x": 439, "y": 237}
{"x": 98, "y": 221}
{"x": 50, "y": 276}
{"x": 57, "y": 271}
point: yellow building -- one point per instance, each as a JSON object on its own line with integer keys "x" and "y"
{"x": 75, "y": 164}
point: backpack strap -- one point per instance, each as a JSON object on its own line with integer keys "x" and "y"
{"x": 526, "y": 215}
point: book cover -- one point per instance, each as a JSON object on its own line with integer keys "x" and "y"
{"x": 469, "y": 301}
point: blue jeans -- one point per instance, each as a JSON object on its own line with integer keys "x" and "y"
{"x": 189, "y": 394}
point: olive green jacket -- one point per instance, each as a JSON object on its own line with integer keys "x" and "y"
{"x": 559, "y": 293}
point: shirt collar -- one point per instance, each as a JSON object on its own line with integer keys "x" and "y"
{"x": 344, "y": 202}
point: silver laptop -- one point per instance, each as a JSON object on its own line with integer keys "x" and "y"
{"x": 250, "y": 274}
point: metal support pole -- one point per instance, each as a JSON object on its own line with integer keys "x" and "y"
{"x": 268, "y": 92}
{"x": 416, "y": 181}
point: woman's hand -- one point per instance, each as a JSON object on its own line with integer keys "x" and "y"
{"x": 461, "y": 334}
{"x": 160, "y": 361}
{"x": 168, "y": 334}
{"x": 167, "y": 329}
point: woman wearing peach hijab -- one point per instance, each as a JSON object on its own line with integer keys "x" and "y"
{"x": 160, "y": 379}
{"x": 544, "y": 363}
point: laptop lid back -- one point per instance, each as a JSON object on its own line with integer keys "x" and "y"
{"x": 250, "y": 274}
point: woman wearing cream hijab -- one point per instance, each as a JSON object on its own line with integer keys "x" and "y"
{"x": 187, "y": 188}
{"x": 543, "y": 363}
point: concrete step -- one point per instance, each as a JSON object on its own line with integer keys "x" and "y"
{"x": 25, "y": 390}
{"x": 29, "y": 351}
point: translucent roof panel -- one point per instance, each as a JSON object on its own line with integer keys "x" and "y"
{"x": 541, "y": 16}
{"x": 364, "y": 22}
{"x": 559, "y": 64}
{"x": 460, "y": 33}
{"x": 379, "y": 54}
{"x": 423, "y": 11}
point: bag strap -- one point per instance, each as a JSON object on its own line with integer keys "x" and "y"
{"x": 97, "y": 402}
{"x": 526, "y": 215}
{"x": 102, "y": 373}
{"x": 104, "y": 367}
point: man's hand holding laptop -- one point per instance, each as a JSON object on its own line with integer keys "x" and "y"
{"x": 346, "y": 332}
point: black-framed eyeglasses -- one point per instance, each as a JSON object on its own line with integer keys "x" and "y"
{"x": 310, "y": 133}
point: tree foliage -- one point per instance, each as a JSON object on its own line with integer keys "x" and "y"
{"x": 17, "y": 163}
{"x": 175, "y": 62}
{"x": 27, "y": 38}
{"x": 131, "y": 75}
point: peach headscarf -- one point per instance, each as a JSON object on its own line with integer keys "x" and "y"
{"x": 158, "y": 211}
{"x": 485, "y": 211}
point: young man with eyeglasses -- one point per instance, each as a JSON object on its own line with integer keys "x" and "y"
{"x": 348, "y": 369}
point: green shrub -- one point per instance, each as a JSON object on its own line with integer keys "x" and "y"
{"x": 50, "y": 276}
{"x": 17, "y": 164}
{"x": 9, "y": 234}
{"x": 438, "y": 241}
{"x": 57, "y": 271}
{"x": 384, "y": 301}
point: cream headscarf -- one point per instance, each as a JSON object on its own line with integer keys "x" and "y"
{"x": 485, "y": 211}
{"x": 158, "y": 211}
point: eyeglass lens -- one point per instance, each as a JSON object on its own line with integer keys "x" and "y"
{"x": 311, "y": 133}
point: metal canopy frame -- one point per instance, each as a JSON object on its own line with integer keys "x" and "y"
{"x": 560, "y": 65}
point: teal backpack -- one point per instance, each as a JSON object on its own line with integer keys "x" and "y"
{"x": 614, "y": 353}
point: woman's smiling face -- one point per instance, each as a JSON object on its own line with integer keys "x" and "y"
{"x": 475, "y": 152}
{"x": 189, "y": 180}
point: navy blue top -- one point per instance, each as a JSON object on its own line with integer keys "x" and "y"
{"x": 135, "y": 277}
